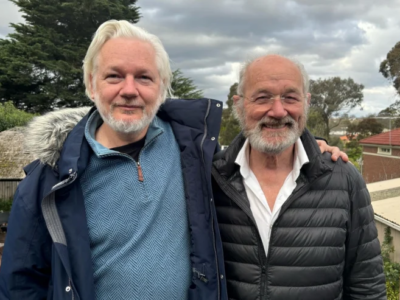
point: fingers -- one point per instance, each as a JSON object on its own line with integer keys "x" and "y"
{"x": 336, "y": 153}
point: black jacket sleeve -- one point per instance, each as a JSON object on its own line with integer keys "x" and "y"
{"x": 364, "y": 276}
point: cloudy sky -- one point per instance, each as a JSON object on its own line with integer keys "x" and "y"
{"x": 209, "y": 39}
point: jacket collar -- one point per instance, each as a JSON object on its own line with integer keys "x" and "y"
{"x": 58, "y": 138}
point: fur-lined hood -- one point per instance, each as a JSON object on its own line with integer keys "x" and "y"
{"x": 45, "y": 135}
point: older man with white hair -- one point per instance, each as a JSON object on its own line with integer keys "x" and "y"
{"x": 118, "y": 204}
{"x": 294, "y": 224}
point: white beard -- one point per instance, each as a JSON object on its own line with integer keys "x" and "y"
{"x": 273, "y": 143}
{"x": 122, "y": 126}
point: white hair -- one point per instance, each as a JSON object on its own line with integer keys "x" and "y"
{"x": 116, "y": 29}
{"x": 245, "y": 66}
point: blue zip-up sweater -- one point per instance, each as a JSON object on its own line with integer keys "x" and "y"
{"x": 138, "y": 229}
{"x": 47, "y": 250}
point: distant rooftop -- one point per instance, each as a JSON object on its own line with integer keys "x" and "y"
{"x": 387, "y": 138}
{"x": 389, "y": 210}
{"x": 383, "y": 185}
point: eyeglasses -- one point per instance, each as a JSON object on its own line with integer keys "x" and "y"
{"x": 286, "y": 100}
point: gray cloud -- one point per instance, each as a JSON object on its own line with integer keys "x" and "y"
{"x": 205, "y": 39}
{"x": 208, "y": 39}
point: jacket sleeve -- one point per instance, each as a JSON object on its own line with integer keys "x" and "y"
{"x": 26, "y": 268}
{"x": 364, "y": 276}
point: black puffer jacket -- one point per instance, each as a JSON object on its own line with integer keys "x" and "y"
{"x": 323, "y": 245}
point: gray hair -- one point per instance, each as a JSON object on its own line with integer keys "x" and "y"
{"x": 114, "y": 29}
{"x": 245, "y": 66}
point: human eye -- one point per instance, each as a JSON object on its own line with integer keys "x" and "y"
{"x": 112, "y": 77}
{"x": 291, "y": 98}
{"x": 262, "y": 98}
{"x": 145, "y": 78}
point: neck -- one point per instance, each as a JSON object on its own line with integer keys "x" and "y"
{"x": 272, "y": 162}
{"x": 110, "y": 138}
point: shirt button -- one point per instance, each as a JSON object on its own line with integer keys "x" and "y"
{"x": 68, "y": 289}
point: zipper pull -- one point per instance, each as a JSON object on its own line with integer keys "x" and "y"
{"x": 200, "y": 275}
{"x": 140, "y": 173}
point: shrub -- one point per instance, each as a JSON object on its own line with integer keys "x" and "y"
{"x": 11, "y": 117}
{"x": 392, "y": 269}
{"x": 5, "y": 205}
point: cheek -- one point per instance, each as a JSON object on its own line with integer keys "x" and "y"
{"x": 150, "y": 96}
{"x": 255, "y": 112}
{"x": 297, "y": 113}
{"x": 109, "y": 93}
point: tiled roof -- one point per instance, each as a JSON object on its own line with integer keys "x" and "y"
{"x": 13, "y": 155}
{"x": 387, "y": 138}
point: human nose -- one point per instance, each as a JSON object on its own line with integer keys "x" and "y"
{"x": 277, "y": 110}
{"x": 129, "y": 89}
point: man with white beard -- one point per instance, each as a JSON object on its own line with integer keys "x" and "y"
{"x": 294, "y": 224}
{"x": 118, "y": 203}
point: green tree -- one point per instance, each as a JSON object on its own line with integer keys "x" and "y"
{"x": 358, "y": 130}
{"x": 392, "y": 111}
{"x": 354, "y": 152}
{"x": 315, "y": 122}
{"x": 367, "y": 127}
{"x": 390, "y": 67}
{"x": 334, "y": 97}
{"x": 392, "y": 269}
{"x": 41, "y": 61}
{"x": 229, "y": 126}
{"x": 183, "y": 87}
{"x": 11, "y": 117}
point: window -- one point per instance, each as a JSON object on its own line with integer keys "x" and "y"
{"x": 387, "y": 151}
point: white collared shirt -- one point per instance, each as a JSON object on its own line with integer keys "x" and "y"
{"x": 262, "y": 213}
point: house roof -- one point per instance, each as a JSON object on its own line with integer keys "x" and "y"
{"x": 388, "y": 209}
{"x": 383, "y": 185}
{"x": 13, "y": 155}
{"x": 386, "y": 138}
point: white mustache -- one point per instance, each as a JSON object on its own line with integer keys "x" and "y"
{"x": 128, "y": 103}
{"x": 268, "y": 121}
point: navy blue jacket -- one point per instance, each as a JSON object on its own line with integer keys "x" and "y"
{"x": 39, "y": 263}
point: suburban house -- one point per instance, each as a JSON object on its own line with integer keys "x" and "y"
{"x": 381, "y": 156}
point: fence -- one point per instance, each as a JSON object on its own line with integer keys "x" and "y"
{"x": 8, "y": 187}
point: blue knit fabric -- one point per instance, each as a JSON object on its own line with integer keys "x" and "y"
{"x": 139, "y": 235}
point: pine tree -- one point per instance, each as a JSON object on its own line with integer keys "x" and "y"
{"x": 41, "y": 61}
{"x": 183, "y": 87}
{"x": 230, "y": 126}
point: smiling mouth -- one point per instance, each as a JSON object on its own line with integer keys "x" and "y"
{"x": 280, "y": 126}
{"x": 129, "y": 107}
